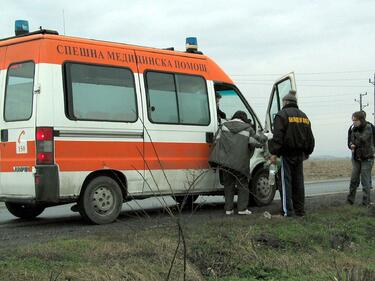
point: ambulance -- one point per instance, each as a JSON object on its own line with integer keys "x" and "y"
{"x": 99, "y": 123}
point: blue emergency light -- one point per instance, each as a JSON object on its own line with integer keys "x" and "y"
{"x": 21, "y": 27}
{"x": 191, "y": 44}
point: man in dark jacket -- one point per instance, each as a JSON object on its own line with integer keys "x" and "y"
{"x": 360, "y": 141}
{"x": 234, "y": 145}
{"x": 352, "y": 126}
{"x": 293, "y": 141}
{"x": 220, "y": 114}
{"x": 350, "y": 130}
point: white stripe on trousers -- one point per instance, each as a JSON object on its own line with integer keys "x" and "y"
{"x": 283, "y": 188}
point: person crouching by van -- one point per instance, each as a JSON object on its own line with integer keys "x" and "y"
{"x": 233, "y": 147}
{"x": 361, "y": 142}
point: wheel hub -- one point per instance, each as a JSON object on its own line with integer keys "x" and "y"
{"x": 102, "y": 200}
{"x": 263, "y": 188}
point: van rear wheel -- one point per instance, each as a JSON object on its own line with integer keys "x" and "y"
{"x": 101, "y": 201}
{"x": 24, "y": 211}
{"x": 261, "y": 193}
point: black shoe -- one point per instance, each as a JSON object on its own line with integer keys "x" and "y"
{"x": 349, "y": 202}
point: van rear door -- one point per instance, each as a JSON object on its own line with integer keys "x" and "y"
{"x": 18, "y": 123}
{"x": 281, "y": 88}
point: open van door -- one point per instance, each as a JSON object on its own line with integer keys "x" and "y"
{"x": 281, "y": 88}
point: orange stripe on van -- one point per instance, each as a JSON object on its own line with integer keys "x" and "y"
{"x": 91, "y": 156}
{"x": 75, "y": 156}
{"x": 10, "y": 159}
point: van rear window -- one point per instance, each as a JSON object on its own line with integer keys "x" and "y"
{"x": 19, "y": 92}
{"x": 100, "y": 93}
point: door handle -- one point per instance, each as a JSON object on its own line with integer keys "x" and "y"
{"x": 209, "y": 137}
{"x": 4, "y": 135}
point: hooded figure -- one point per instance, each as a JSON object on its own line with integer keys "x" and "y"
{"x": 234, "y": 145}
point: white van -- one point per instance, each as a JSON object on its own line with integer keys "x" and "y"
{"x": 100, "y": 123}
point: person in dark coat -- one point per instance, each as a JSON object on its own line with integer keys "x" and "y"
{"x": 361, "y": 143}
{"x": 352, "y": 126}
{"x": 220, "y": 114}
{"x": 350, "y": 130}
{"x": 293, "y": 142}
{"x": 234, "y": 145}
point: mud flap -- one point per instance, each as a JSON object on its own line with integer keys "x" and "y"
{"x": 47, "y": 184}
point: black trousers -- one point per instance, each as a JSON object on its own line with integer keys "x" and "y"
{"x": 291, "y": 186}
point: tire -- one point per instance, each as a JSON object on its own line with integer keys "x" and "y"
{"x": 261, "y": 193}
{"x": 24, "y": 211}
{"x": 101, "y": 201}
{"x": 185, "y": 200}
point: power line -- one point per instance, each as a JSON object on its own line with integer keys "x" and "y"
{"x": 304, "y": 80}
{"x": 305, "y": 85}
{"x": 301, "y": 97}
{"x": 305, "y": 73}
{"x": 325, "y": 101}
{"x": 326, "y": 96}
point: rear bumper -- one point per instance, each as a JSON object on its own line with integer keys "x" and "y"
{"x": 47, "y": 188}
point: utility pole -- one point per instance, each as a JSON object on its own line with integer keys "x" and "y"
{"x": 373, "y": 83}
{"x": 361, "y": 106}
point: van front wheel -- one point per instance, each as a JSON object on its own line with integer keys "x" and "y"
{"x": 261, "y": 193}
{"x": 24, "y": 211}
{"x": 101, "y": 201}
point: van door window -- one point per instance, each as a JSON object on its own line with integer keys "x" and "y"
{"x": 19, "y": 92}
{"x": 280, "y": 90}
{"x": 192, "y": 100}
{"x": 283, "y": 88}
{"x": 100, "y": 93}
{"x": 162, "y": 98}
{"x": 177, "y": 99}
{"x": 275, "y": 107}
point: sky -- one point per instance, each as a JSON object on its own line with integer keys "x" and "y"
{"x": 329, "y": 45}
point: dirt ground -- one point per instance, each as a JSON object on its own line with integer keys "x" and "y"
{"x": 328, "y": 169}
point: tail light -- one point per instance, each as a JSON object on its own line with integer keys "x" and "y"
{"x": 44, "y": 146}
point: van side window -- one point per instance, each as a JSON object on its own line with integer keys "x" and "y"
{"x": 100, "y": 93}
{"x": 177, "y": 99}
{"x": 162, "y": 98}
{"x": 19, "y": 92}
{"x": 192, "y": 100}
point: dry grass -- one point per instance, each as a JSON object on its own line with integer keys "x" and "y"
{"x": 222, "y": 249}
{"x": 328, "y": 169}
